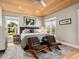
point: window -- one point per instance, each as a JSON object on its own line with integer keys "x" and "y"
{"x": 50, "y": 25}
{"x": 11, "y": 25}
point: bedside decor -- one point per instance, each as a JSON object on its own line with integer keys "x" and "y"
{"x": 29, "y": 21}
{"x": 65, "y": 21}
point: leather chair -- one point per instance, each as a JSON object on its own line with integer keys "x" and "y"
{"x": 51, "y": 41}
{"x": 34, "y": 46}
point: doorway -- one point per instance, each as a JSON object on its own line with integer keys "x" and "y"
{"x": 12, "y": 26}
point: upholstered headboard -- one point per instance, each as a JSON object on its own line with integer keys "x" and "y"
{"x": 31, "y": 29}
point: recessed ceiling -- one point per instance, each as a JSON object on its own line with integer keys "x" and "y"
{"x": 32, "y": 7}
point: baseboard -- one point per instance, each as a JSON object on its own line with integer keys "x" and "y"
{"x": 68, "y": 44}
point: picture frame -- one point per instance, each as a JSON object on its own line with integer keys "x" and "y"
{"x": 29, "y": 21}
{"x": 65, "y": 21}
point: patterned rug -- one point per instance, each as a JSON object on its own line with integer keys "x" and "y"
{"x": 16, "y": 52}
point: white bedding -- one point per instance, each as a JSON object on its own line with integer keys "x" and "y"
{"x": 24, "y": 37}
{"x": 28, "y": 34}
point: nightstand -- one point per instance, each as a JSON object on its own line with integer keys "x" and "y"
{"x": 16, "y": 39}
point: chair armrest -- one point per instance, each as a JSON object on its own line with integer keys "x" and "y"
{"x": 56, "y": 43}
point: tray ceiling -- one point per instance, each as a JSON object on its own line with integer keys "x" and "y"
{"x": 32, "y": 7}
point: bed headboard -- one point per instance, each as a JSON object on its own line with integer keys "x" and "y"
{"x": 31, "y": 28}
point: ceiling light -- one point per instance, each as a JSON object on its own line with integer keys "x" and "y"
{"x": 37, "y": 11}
{"x": 20, "y": 7}
{"x": 43, "y": 3}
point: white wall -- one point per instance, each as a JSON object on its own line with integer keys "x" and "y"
{"x": 3, "y": 38}
{"x": 67, "y": 33}
{"x": 21, "y": 21}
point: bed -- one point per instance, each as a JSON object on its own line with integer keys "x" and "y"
{"x": 25, "y": 36}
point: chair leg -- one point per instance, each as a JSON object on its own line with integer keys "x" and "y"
{"x": 50, "y": 49}
{"x": 48, "y": 45}
{"x": 34, "y": 54}
{"x": 57, "y": 47}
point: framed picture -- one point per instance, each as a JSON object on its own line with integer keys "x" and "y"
{"x": 29, "y": 21}
{"x": 65, "y": 21}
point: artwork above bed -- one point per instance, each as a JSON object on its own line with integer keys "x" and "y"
{"x": 29, "y": 21}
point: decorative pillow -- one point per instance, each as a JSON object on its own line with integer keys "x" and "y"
{"x": 31, "y": 31}
{"x": 36, "y": 31}
{"x": 26, "y": 31}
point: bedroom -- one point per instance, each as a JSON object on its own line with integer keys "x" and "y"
{"x": 40, "y": 21}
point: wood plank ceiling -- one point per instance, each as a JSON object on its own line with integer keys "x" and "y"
{"x": 34, "y": 8}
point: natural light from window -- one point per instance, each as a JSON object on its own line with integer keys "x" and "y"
{"x": 50, "y": 25}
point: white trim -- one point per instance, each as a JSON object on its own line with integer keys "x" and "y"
{"x": 68, "y": 44}
{"x": 50, "y": 19}
{"x": 78, "y": 24}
